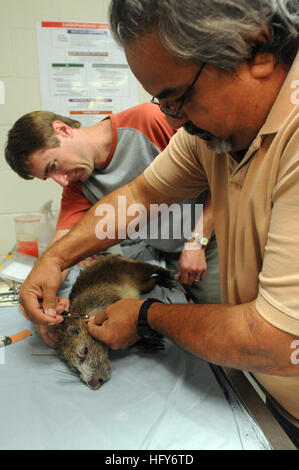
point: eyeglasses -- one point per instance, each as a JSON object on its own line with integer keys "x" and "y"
{"x": 167, "y": 109}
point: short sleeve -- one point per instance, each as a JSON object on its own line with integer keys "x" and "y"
{"x": 278, "y": 297}
{"x": 73, "y": 206}
{"x": 178, "y": 169}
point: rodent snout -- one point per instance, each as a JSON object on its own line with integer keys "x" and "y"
{"x": 101, "y": 373}
{"x": 95, "y": 383}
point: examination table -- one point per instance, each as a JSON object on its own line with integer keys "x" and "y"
{"x": 166, "y": 400}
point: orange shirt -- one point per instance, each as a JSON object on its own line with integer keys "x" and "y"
{"x": 146, "y": 120}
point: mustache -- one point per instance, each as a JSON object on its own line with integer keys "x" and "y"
{"x": 220, "y": 146}
{"x": 194, "y": 130}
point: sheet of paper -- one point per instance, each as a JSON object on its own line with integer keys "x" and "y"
{"x": 83, "y": 72}
{"x": 17, "y": 267}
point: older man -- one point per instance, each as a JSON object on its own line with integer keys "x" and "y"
{"x": 227, "y": 71}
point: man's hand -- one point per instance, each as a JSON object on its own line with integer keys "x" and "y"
{"x": 193, "y": 265}
{"x": 116, "y": 326}
{"x": 48, "y": 332}
{"x": 38, "y": 292}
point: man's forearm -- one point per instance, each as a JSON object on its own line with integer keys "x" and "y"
{"x": 229, "y": 335}
{"x": 205, "y": 224}
{"x": 82, "y": 240}
{"x": 59, "y": 234}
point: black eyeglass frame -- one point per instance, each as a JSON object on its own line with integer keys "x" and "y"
{"x": 183, "y": 99}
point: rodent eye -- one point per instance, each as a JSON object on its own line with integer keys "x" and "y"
{"x": 82, "y": 355}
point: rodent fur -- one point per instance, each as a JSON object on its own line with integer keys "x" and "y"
{"x": 104, "y": 282}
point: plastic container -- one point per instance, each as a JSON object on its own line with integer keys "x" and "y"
{"x": 26, "y": 227}
{"x": 46, "y": 229}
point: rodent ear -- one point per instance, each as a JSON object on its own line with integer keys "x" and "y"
{"x": 73, "y": 330}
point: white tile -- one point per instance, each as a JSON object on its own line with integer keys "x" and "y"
{"x": 24, "y": 53}
{"x": 20, "y": 196}
{"x": 22, "y": 95}
{"x": 7, "y": 234}
{"x": 6, "y": 53}
{"x": 25, "y": 13}
{"x": 6, "y": 14}
{"x": 94, "y": 11}
{"x": 143, "y": 95}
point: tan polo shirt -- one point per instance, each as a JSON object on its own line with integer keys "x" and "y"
{"x": 256, "y": 215}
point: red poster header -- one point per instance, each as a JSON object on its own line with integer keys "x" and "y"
{"x": 70, "y": 24}
{"x": 91, "y": 113}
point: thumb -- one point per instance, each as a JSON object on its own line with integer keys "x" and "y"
{"x": 95, "y": 322}
{"x": 99, "y": 318}
{"x": 49, "y": 301}
{"x": 62, "y": 303}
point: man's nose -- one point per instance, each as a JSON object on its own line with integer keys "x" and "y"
{"x": 177, "y": 123}
{"x": 61, "y": 179}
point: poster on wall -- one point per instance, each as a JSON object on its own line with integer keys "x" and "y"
{"x": 83, "y": 72}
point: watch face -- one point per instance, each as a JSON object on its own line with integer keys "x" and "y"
{"x": 204, "y": 241}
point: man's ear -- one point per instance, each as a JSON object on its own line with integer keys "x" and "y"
{"x": 61, "y": 129}
{"x": 262, "y": 65}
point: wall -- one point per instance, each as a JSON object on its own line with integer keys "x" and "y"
{"x": 19, "y": 71}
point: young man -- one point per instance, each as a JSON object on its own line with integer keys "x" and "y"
{"x": 90, "y": 162}
{"x": 228, "y": 72}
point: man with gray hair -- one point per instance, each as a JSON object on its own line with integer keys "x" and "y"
{"x": 227, "y": 71}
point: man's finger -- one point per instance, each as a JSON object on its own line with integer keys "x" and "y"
{"x": 92, "y": 328}
{"x": 62, "y": 304}
{"x": 97, "y": 327}
{"x": 99, "y": 331}
{"x": 49, "y": 301}
{"x": 99, "y": 318}
{"x": 183, "y": 277}
{"x": 31, "y": 304}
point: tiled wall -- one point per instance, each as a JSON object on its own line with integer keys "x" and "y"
{"x": 19, "y": 71}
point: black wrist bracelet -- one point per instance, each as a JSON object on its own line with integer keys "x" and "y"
{"x": 143, "y": 328}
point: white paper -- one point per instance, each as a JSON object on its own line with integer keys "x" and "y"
{"x": 83, "y": 72}
{"x": 17, "y": 267}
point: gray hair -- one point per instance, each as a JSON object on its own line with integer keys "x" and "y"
{"x": 220, "y": 32}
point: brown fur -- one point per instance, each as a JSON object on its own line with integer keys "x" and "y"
{"x": 104, "y": 282}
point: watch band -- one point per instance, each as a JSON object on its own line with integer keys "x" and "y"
{"x": 201, "y": 238}
{"x": 151, "y": 340}
{"x": 143, "y": 328}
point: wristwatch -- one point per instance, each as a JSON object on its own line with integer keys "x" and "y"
{"x": 203, "y": 240}
{"x": 143, "y": 328}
